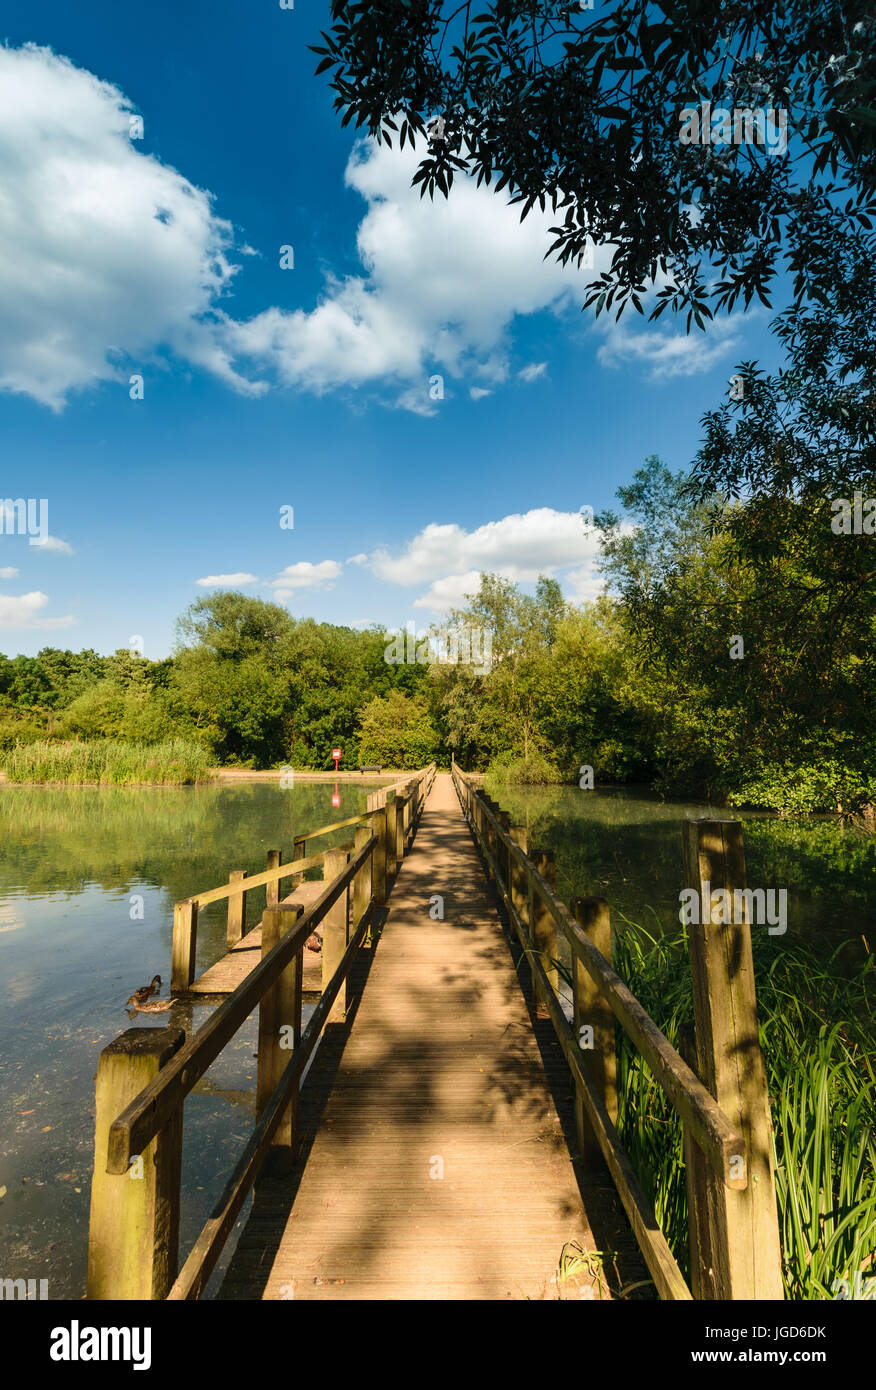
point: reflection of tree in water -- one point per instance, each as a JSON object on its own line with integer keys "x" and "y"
{"x": 626, "y": 846}
{"x": 60, "y": 839}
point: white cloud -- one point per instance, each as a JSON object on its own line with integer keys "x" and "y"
{"x": 360, "y": 559}
{"x": 212, "y": 581}
{"x": 520, "y": 547}
{"x": 533, "y": 371}
{"x": 305, "y": 575}
{"x": 20, "y": 611}
{"x": 8, "y": 572}
{"x": 669, "y": 354}
{"x": 54, "y": 543}
{"x": 105, "y": 253}
{"x": 443, "y": 283}
{"x": 477, "y": 393}
{"x": 109, "y": 259}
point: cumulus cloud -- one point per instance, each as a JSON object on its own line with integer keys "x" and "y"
{"x": 668, "y": 354}
{"x": 8, "y": 572}
{"x": 20, "y": 611}
{"x": 213, "y": 581}
{"x": 414, "y": 308}
{"x": 105, "y": 252}
{"x": 305, "y": 575}
{"x": 55, "y": 543}
{"x": 110, "y": 258}
{"x": 520, "y": 547}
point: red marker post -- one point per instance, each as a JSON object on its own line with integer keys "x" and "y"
{"x": 336, "y": 754}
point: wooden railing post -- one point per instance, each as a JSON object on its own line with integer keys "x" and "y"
{"x": 702, "y": 1262}
{"x": 543, "y": 928}
{"x": 133, "y": 1234}
{"x": 362, "y": 881}
{"x": 391, "y": 840}
{"x": 299, "y": 851}
{"x": 503, "y": 859}
{"x": 236, "y": 910}
{"x": 335, "y": 933}
{"x": 279, "y": 1025}
{"x": 272, "y": 890}
{"x": 378, "y": 858}
{"x": 401, "y": 803}
{"x": 594, "y": 1023}
{"x": 182, "y": 952}
{"x": 743, "y": 1224}
{"x": 519, "y": 876}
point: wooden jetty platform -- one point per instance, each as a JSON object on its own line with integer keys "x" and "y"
{"x": 224, "y": 976}
{"x": 409, "y": 1141}
{"x": 439, "y": 1169}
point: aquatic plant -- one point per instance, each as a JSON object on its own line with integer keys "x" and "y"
{"x": 171, "y": 762}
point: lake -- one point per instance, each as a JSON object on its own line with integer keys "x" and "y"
{"x": 88, "y": 877}
{"x": 625, "y": 844}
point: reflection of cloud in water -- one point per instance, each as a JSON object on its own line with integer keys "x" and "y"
{"x": 9, "y": 918}
{"x": 24, "y": 985}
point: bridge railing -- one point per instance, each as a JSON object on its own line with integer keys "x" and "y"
{"x": 185, "y": 912}
{"x": 145, "y": 1075}
{"x": 734, "y": 1238}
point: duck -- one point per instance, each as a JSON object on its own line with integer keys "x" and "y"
{"x": 151, "y": 1006}
{"x": 145, "y": 991}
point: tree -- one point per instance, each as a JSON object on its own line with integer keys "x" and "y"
{"x": 585, "y": 110}
{"x": 397, "y": 731}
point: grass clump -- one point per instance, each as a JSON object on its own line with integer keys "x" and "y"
{"x": 108, "y": 761}
{"x": 530, "y": 769}
{"x": 816, "y": 1036}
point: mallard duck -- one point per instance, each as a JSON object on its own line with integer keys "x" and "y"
{"x": 152, "y": 1006}
{"x": 146, "y": 991}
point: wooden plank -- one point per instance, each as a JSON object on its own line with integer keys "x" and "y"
{"x": 224, "y": 976}
{"x": 440, "y": 1163}
{"x": 216, "y": 895}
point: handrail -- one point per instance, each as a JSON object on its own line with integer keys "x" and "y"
{"x": 719, "y": 1139}
{"x": 128, "y": 1219}
{"x": 227, "y": 890}
{"x": 140, "y": 1121}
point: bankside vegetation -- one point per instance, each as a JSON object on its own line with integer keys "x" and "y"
{"x": 702, "y": 670}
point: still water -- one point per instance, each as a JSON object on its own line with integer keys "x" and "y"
{"x": 625, "y": 845}
{"x": 88, "y": 878}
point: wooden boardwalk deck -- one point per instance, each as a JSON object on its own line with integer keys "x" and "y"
{"x": 437, "y": 1166}
{"x": 224, "y": 975}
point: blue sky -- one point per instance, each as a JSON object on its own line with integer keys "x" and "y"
{"x": 267, "y": 387}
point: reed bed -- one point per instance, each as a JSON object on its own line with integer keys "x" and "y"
{"x": 816, "y": 1032}
{"x": 108, "y": 762}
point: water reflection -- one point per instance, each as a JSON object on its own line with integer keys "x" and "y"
{"x": 626, "y": 845}
{"x": 88, "y": 877}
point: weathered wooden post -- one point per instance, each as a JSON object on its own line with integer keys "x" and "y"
{"x": 299, "y": 851}
{"x": 702, "y": 1262}
{"x": 182, "y": 951}
{"x": 519, "y": 877}
{"x": 335, "y": 933}
{"x": 236, "y": 926}
{"x": 279, "y": 1025}
{"x": 378, "y": 858}
{"x": 272, "y": 890}
{"x": 743, "y": 1224}
{"x": 133, "y": 1234}
{"x": 401, "y": 803}
{"x": 543, "y": 927}
{"x": 503, "y": 861}
{"x": 362, "y": 882}
{"x": 391, "y": 865}
{"x": 594, "y": 1023}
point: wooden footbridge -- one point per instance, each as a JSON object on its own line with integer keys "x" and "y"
{"x": 408, "y": 1141}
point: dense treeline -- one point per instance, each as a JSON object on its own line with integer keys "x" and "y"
{"x": 714, "y": 665}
